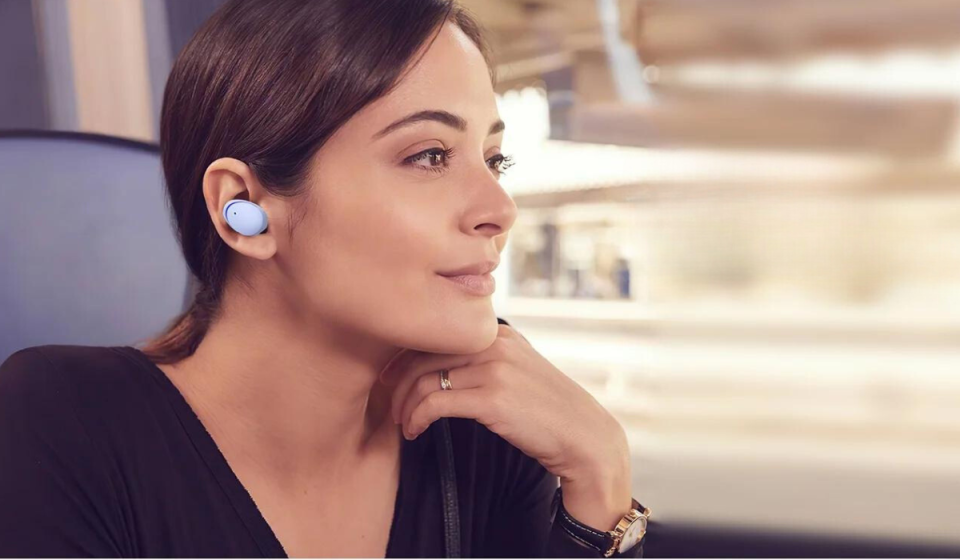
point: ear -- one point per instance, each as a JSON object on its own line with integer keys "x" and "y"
{"x": 227, "y": 179}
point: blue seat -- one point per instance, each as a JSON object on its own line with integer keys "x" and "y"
{"x": 88, "y": 248}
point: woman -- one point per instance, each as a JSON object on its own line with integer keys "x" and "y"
{"x": 293, "y": 410}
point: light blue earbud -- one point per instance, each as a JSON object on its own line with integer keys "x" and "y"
{"x": 245, "y": 217}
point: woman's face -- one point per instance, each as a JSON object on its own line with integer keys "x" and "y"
{"x": 388, "y": 210}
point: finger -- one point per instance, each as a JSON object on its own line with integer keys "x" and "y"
{"x": 460, "y": 378}
{"x": 467, "y": 403}
{"x": 519, "y": 333}
{"x": 419, "y": 361}
{"x": 405, "y": 374}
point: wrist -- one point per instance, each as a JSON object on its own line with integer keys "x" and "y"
{"x": 598, "y": 501}
{"x": 598, "y": 492}
{"x": 608, "y": 459}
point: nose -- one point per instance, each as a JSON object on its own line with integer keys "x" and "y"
{"x": 492, "y": 211}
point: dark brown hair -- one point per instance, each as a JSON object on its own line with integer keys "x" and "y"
{"x": 268, "y": 82}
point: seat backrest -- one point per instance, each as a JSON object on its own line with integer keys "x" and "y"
{"x": 88, "y": 251}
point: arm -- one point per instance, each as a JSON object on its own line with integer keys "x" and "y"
{"x": 528, "y": 524}
{"x": 55, "y": 499}
{"x": 532, "y": 524}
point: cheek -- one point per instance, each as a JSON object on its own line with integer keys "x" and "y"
{"x": 398, "y": 225}
{"x": 375, "y": 242}
{"x": 394, "y": 238}
{"x": 377, "y": 249}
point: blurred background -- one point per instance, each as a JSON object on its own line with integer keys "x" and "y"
{"x": 739, "y": 229}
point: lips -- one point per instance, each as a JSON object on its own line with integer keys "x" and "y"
{"x": 476, "y": 269}
{"x": 476, "y": 284}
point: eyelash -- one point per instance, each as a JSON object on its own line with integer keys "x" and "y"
{"x": 502, "y": 162}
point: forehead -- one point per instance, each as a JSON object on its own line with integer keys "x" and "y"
{"x": 452, "y": 75}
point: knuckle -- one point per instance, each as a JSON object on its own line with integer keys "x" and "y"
{"x": 430, "y": 403}
{"x": 497, "y": 371}
{"x": 494, "y": 375}
{"x": 507, "y": 332}
{"x": 424, "y": 383}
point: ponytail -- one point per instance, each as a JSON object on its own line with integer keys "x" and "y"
{"x": 185, "y": 332}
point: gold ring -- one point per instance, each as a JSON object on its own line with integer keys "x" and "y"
{"x": 445, "y": 380}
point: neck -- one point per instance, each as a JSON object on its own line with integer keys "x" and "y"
{"x": 287, "y": 403}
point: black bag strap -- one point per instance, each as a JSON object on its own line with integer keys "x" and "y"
{"x": 448, "y": 487}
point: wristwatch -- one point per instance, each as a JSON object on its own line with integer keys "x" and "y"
{"x": 628, "y": 532}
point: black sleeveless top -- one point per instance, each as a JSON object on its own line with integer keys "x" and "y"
{"x": 100, "y": 455}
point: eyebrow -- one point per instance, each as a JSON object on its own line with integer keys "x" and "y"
{"x": 444, "y": 117}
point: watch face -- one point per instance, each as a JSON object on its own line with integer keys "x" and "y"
{"x": 633, "y": 534}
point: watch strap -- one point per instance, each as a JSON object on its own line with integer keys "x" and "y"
{"x": 598, "y": 540}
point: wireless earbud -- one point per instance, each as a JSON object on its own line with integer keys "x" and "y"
{"x": 245, "y": 217}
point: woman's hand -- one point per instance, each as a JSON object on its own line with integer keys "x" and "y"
{"x": 515, "y": 392}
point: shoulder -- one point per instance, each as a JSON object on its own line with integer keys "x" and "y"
{"x": 59, "y": 496}
{"x": 58, "y": 357}
{"x": 52, "y": 384}
{"x": 496, "y": 464}
{"x": 36, "y": 375}
{"x": 475, "y": 439}
{"x": 511, "y": 493}
{"x": 59, "y": 372}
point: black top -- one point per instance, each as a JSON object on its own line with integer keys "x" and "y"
{"x": 100, "y": 455}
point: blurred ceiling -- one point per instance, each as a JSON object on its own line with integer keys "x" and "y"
{"x": 678, "y": 31}
{"x": 560, "y": 45}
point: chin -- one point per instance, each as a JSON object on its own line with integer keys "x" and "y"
{"x": 467, "y": 337}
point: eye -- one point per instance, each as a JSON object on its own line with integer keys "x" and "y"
{"x": 500, "y": 163}
{"x": 437, "y": 159}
